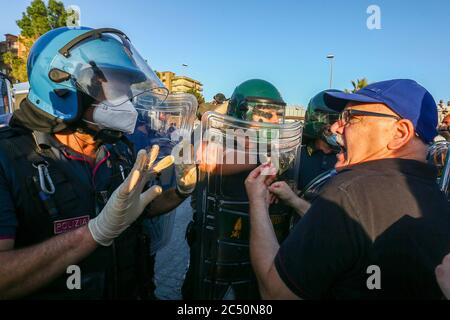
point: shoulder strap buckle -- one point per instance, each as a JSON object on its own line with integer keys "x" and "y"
{"x": 44, "y": 177}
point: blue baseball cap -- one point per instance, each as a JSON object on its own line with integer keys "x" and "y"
{"x": 405, "y": 97}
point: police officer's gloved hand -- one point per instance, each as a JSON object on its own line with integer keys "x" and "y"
{"x": 186, "y": 178}
{"x": 127, "y": 202}
{"x": 185, "y": 170}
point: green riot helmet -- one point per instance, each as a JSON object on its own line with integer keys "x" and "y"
{"x": 319, "y": 118}
{"x": 257, "y": 100}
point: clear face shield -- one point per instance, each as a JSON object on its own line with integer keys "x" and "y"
{"x": 104, "y": 65}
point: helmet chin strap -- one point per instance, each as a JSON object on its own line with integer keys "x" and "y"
{"x": 102, "y": 135}
{"x": 108, "y": 136}
{"x": 105, "y": 136}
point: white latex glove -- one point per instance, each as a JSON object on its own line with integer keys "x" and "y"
{"x": 185, "y": 169}
{"x": 186, "y": 178}
{"x": 128, "y": 202}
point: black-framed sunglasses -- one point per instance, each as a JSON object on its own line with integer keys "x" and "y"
{"x": 263, "y": 114}
{"x": 347, "y": 115}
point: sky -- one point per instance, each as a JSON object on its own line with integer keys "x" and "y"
{"x": 224, "y": 43}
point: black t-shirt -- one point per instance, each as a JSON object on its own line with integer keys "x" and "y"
{"x": 389, "y": 213}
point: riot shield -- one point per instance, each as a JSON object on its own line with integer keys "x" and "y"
{"x": 165, "y": 125}
{"x": 438, "y": 156}
{"x": 220, "y": 265}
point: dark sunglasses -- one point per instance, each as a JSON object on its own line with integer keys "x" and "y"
{"x": 347, "y": 115}
{"x": 266, "y": 115}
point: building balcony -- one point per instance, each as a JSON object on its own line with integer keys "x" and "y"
{"x": 183, "y": 83}
{"x": 181, "y": 88}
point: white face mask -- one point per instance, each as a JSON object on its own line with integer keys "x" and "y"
{"x": 121, "y": 118}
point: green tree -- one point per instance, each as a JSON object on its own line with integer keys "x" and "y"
{"x": 358, "y": 84}
{"x": 198, "y": 95}
{"x": 57, "y": 14}
{"x": 37, "y": 19}
{"x": 17, "y": 65}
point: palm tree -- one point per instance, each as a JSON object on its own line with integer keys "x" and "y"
{"x": 358, "y": 85}
{"x": 198, "y": 95}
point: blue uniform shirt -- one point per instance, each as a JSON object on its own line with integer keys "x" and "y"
{"x": 93, "y": 180}
{"x": 313, "y": 163}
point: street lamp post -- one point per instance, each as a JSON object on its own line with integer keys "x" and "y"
{"x": 331, "y": 58}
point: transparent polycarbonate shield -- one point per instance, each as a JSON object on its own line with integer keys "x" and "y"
{"x": 229, "y": 141}
{"x": 229, "y": 149}
{"x": 438, "y": 156}
{"x": 165, "y": 124}
{"x": 178, "y": 110}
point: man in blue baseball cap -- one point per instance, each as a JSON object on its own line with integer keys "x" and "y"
{"x": 380, "y": 227}
{"x": 387, "y": 105}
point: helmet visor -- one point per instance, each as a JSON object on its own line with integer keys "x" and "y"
{"x": 322, "y": 117}
{"x": 110, "y": 70}
{"x": 265, "y": 112}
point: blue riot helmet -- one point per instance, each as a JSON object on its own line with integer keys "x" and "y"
{"x": 69, "y": 66}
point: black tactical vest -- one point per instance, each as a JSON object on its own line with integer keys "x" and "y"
{"x": 218, "y": 237}
{"x": 117, "y": 271}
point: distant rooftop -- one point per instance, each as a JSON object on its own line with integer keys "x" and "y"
{"x": 182, "y": 77}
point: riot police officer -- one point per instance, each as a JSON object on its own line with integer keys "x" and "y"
{"x": 5, "y": 94}
{"x": 70, "y": 193}
{"x": 218, "y": 236}
{"x": 319, "y": 147}
{"x": 317, "y": 157}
